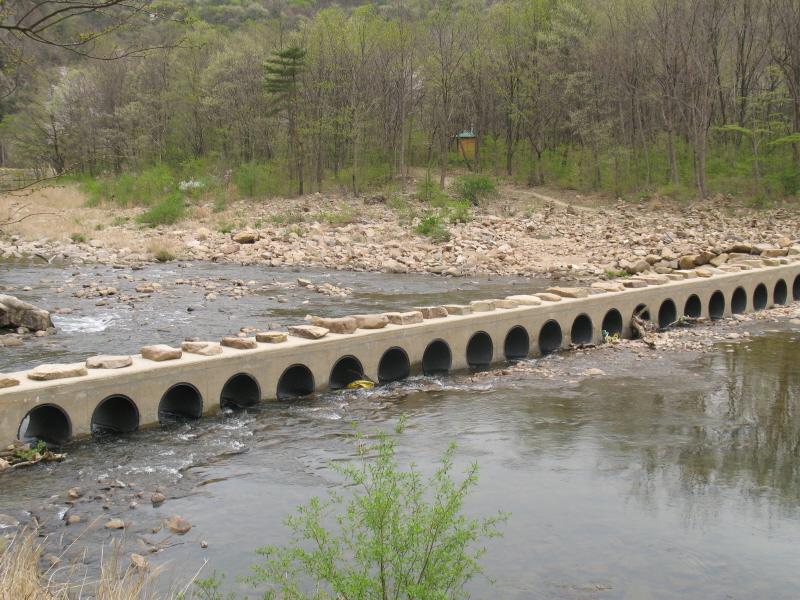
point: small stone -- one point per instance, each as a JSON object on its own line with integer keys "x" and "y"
{"x": 482, "y": 305}
{"x": 6, "y": 381}
{"x": 634, "y": 283}
{"x": 202, "y": 348}
{"x": 547, "y": 297}
{"x": 108, "y": 362}
{"x": 271, "y": 337}
{"x": 608, "y": 286}
{"x": 431, "y": 312}
{"x": 371, "y": 321}
{"x": 204, "y": 544}
{"x": 593, "y": 372}
{"x": 309, "y": 332}
{"x": 304, "y": 282}
{"x": 157, "y": 498}
{"x": 48, "y": 372}
{"x": 75, "y": 493}
{"x": 245, "y": 237}
{"x": 139, "y": 561}
{"x": 568, "y": 292}
{"x": 179, "y": 525}
{"x": 457, "y": 309}
{"x": 406, "y": 318}
{"x": 115, "y": 524}
{"x": 239, "y": 343}
{"x": 72, "y": 519}
{"x": 145, "y": 288}
{"x": 160, "y": 352}
{"x": 525, "y": 300}
{"x": 344, "y": 325}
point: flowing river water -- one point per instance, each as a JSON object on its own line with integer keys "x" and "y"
{"x": 673, "y": 476}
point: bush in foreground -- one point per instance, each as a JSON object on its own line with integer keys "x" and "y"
{"x": 393, "y": 535}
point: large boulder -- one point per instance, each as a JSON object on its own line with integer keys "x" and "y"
{"x": 16, "y": 313}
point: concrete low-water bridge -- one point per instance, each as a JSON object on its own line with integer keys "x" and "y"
{"x": 147, "y": 393}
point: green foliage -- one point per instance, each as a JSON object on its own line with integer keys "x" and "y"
{"x": 78, "y": 238}
{"x": 27, "y": 452}
{"x": 287, "y": 218}
{"x": 433, "y": 224}
{"x": 120, "y": 220}
{"x": 258, "y": 181}
{"x": 163, "y": 255}
{"x": 168, "y": 211}
{"x": 208, "y": 589}
{"x": 393, "y": 535}
{"x": 342, "y": 216}
{"x": 130, "y": 189}
{"x": 789, "y": 181}
{"x": 474, "y": 188}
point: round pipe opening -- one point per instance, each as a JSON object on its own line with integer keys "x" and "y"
{"x": 780, "y": 293}
{"x": 582, "y": 329}
{"x": 796, "y": 289}
{"x": 693, "y": 308}
{"x": 48, "y": 423}
{"x": 612, "y": 323}
{"x": 297, "y": 381}
{"x": 114, "y": 415}
{"x": 517, "y": 344}
{"x": 667, "y": 314}
{"x": 739, "y": 301}
{"x": 480, "y": 350}
{"x": 241, "y": 390}
{"x": 394, "y": 365}
{"x": 760, "y": 297}
{"x": 345, "y": 371}
{"x": 643, "y": 311}
{"x": 181, "y": 402}
{"x": 550, "y": 337}
{"x": 437, "y": 358}
{"x": 716, "y": 306}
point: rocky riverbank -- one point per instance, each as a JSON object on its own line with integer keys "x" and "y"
{"x": 522, "y": 233}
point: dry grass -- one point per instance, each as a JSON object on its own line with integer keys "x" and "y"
{"x": 21, "y": 579}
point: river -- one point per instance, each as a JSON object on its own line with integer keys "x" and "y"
{"x": 673, "y": 476}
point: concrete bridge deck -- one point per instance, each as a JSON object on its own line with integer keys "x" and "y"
{"x": 148, "y": 392}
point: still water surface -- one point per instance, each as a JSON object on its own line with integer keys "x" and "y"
{"x": 667, "y": 479}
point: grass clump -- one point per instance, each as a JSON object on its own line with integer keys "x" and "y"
{"x": 168, "y": 211}
{"x": 392, "y": 534}
{"x": 474, "y": 188}
{"x": 78, "y": 238}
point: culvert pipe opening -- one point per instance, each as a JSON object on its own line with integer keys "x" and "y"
{"x": 241, "y": 390}
{"x": 517, "y": 344}
{"x": 345, "y": 371}
{"x": 780, "y": 293}
{"x": 550, "y": 337}
{"x": 48, "y": 423}
{"x": 739, "y": 301}
{"x": 693, "y": 308}
{"x": 480, "y": 350}
{"x": 297, "y": 381}
{"x": 582, "y": 329}
{"x": 437, "y": 358}
{"x": 667, "y": 314}
{"x": 394, "y": 365}
{"x": 760, "y": 297}
{"x": 643, "y": 311}
{"x": 796, "y": 289}
{"x": 612, "y": 323}
{"x": 716, "y": 306}
{"x": 114, "y": 415}
{"x": 181, "y": 402}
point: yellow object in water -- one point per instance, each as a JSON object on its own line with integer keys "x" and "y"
{"x": 360, "y": 383}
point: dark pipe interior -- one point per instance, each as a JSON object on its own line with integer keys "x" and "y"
{"x": 181, "y": 402}
{"x": 48, "y": 423}
{"x": 667, "y": 314}
{"x": 780, "y": 293}
{"x": 517, "y": 344}
{"x": 437, "y": 358}
{"x": 297, "y": 381}
{"x": 716, "y": 305}
{"x": 115, "y": 414}
{"x": 612, "y": 322}
{"x": 582, "y": 329}
{"x": 394, "y": 365}
{"x": 693, "y": 308}
{"x": 739, "y": 301}
{"x": 241, "y": 390}
{"x": 550, "y": 337}
{"x": 345, "y": 371}
{"x": 645, "y": 315}
{"x": 796, "y": 289}
{"x": 480, "y": 349}
{"x": 760, "y": 297}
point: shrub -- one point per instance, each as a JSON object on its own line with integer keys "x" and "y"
{"x": 168, "y": 211}
{"x": 474, "y": 188}
{"x": 393, "y": 535}
{"x": 432, "y": 224}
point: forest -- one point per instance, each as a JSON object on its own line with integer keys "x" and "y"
{"x": 684, "y": 98}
